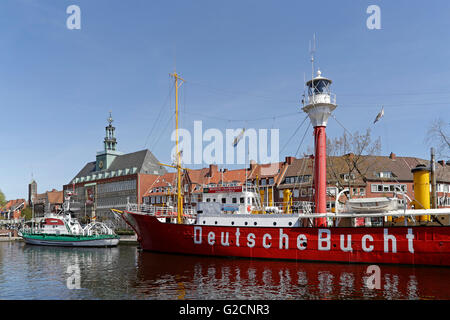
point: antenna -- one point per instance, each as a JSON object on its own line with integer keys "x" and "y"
{"x": 312, "y": 51}
{"x": 110, "y": 119}
{"x": 304, "y": 90}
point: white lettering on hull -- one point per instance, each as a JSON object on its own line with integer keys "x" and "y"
{"x": 211, "y": 238}
{"x": 264, "y": 241}
{"x": 302, "y": 242}
{"x": 410, "y": 237}
{"x": 364, "y": 243}
{"x": 324, "y": 240}
{"x": 198, "y": 235}
{"x": 348, "y": 247}
{"x": 251, "y": 240}
{"x": 388, "y": 237}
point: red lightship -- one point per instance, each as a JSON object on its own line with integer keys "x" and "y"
{"x": 252, "y": 232}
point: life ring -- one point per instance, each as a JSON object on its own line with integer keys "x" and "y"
{"x": 249, "y": 208}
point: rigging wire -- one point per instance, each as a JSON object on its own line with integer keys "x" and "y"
{"x": 167, "y": 126}
{"x": 301, "y": 142}
{"x": 295, "y": 132}
{"x": 345, "y": 129}
{"x": 240, "y": 93}
{"x": 159, "y": 115}
{"x": 243, "y": 120}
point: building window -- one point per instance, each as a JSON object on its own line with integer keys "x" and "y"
{"x": 331, "y": 191}
{"x": 388, "y": 187}
{"x": 270, "y": 181}
{"x": 296, "y": 193}
{"x": 362, "y": 191}
{"x": 385, "y": 174}
{"x": 347, "y": 176}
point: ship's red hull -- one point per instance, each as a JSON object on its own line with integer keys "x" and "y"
{"x": 417, "y": 245}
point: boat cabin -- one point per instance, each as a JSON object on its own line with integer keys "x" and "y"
{"x": 234, "y": 199}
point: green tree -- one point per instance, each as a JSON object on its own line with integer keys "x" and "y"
{"x": 2, "y": 199}
{"x": 27, "y": 213}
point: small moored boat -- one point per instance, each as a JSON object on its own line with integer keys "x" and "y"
{"x": 61, "y": 229}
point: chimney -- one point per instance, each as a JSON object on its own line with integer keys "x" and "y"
{"x": 252, "y": 164}
{"x": 289, "y": 160}
{"x": 212, "y": 168}
{"x": 392, "y": 156}
{"x": 350, "y": 155}
{"x": 442, "y": 162}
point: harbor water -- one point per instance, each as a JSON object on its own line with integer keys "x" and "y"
{"x": 125, "y": 272}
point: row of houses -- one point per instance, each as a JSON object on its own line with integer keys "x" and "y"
{"x": 12, "y": 209}
{"x": 137, "y": 177}
{"x": 114, "y": 179}
{"x": 49, "y": 201}
{"x": 369, "y": 176}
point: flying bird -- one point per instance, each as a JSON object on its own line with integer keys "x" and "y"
{"x": 379, "y": 115}
{"x": 238, "y": 138}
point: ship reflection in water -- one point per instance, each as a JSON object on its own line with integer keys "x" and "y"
{"x": 165, "y": 276}
{"x": 124, "y": 272}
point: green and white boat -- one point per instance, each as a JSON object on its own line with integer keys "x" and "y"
{"x": 61, "y": 229}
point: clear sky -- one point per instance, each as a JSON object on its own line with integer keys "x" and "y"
{"x": 242, "y": 60}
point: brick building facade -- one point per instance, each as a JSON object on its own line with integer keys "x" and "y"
{"x": 112, "y": 180}
{"x": 364, "y": 176}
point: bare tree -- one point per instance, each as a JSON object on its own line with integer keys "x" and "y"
{"x": 439, "y": 138}
{"x": 348, "y": 159}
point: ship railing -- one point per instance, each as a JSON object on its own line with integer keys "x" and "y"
{"x": 160, "y": 211}
{"x": 394, "y": 213}
{"x": 327, "y": 97}
{"x": 296, "y": 207}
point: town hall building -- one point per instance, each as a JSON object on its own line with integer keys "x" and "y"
{"x": 112, "y": 180}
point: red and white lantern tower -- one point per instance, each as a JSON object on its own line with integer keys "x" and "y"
{"x": 320, "y": 102}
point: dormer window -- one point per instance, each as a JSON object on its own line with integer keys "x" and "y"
{"x": 385, "y": 174}
{"x": 347, "y": 176}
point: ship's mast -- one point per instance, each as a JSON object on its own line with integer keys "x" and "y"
{"x": 178, "y": 165}
{"x": 320, "y": 102}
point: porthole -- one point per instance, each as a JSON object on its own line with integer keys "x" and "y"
{"x": 215, "y": 222}
{"x": 255, "y": 223}
{"x": 232, "y": 223}
{"x": 274, "y": 223}
{"x": 246, "y": 223}
{"x": 290, "y": 223}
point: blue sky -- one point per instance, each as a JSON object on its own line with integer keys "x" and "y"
{"x": 241, "y": 60}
